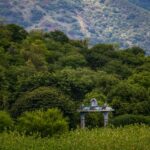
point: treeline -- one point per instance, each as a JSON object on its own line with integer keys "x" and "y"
{"x": 42, "y": 70}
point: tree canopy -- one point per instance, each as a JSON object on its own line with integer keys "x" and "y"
{"x": 48, "y": 70}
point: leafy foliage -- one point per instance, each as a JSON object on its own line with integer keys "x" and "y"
{"x": 6, "y": 121}
{"x": 42, "y": 70}
{"x": 42, "y": 97}
{"x": 45, "y": 123}
{"x": 130, "y": 119}
{"x": 57, "y": 36}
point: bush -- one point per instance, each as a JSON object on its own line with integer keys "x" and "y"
{"x": 130, "y": 119}
{"x": 94, "y": 120}
{"x": 44, "y": 123}
{"x": 5, "y": 121}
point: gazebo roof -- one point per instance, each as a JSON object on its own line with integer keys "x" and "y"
{"x": 95, "y": 109}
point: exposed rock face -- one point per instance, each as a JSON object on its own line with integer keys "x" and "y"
{"x": 121, "y": 21}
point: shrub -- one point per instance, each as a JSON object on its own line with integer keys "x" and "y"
{"x": 5, "y": 121}
{"x": 94, "y": 120}
{"x": 130, "y": 119}
{"x": 44, "y": 123}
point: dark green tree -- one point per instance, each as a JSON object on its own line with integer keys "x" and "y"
{"x": 18, "y": 33}
{"x": 42, "y": 97}
{"x": 58, "y": 36}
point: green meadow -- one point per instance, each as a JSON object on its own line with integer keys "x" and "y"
{"x": 131, "y": 137}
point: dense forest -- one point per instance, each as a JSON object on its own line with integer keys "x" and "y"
{"x": 41, "y": 71}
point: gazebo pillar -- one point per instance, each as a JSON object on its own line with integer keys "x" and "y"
{"x": 82, "y": 120}
{"x": 105, "y": 114}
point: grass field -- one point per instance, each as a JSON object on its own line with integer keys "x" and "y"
{"x": 127, "y": 138}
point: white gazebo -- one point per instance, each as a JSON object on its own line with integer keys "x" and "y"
{"x": 105, "y": 109}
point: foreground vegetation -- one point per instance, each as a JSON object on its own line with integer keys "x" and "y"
{"x": 127, "y": 138}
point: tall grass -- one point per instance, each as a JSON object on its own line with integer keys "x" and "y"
{"x": 128, "y": 138}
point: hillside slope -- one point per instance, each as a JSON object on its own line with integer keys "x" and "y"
{"x": 123, "y": 21}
